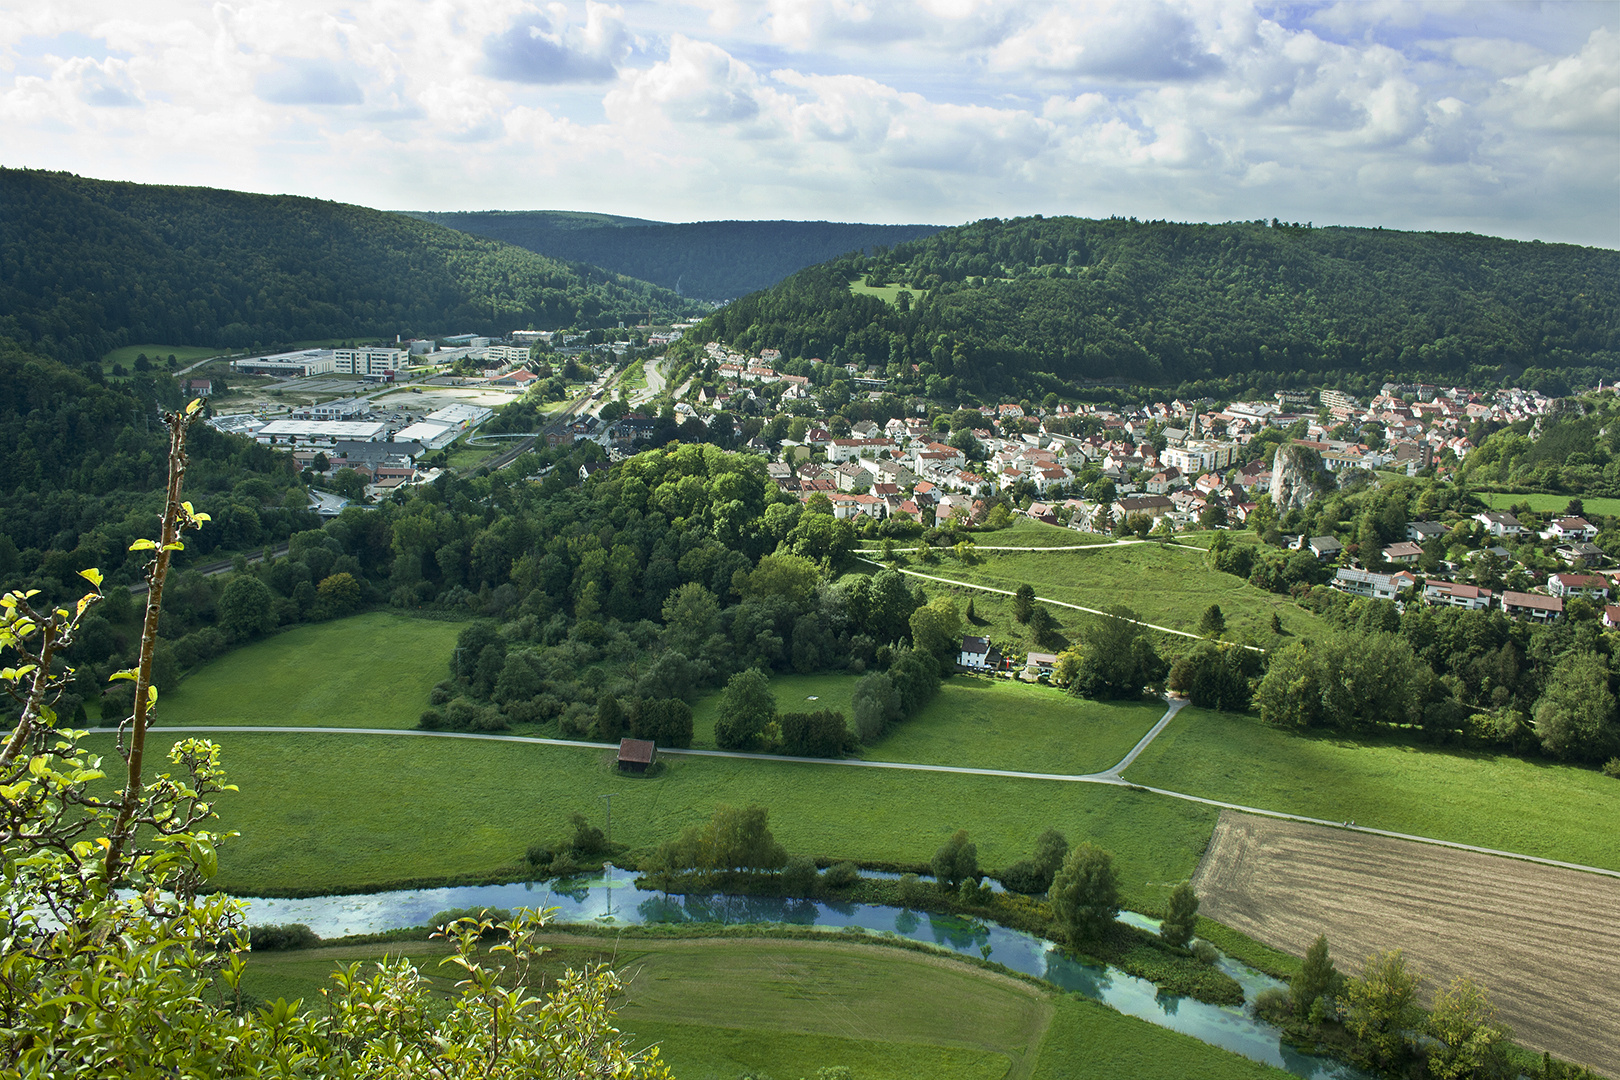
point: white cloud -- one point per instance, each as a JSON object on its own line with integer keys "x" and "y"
{"x": 1412, "y": 115}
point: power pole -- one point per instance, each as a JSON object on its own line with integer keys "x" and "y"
{"x": 609, "y": 798}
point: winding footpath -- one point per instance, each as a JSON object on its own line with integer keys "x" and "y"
{"x": 1110, "y": 776}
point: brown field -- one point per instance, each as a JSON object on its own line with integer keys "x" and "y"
{"x": 1545, "y": 941}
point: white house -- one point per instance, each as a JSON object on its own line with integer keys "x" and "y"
{"x": 1499, "y": 523}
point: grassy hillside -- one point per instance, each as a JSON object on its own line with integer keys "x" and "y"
{"x": 1032, "y": 304}
{"x": 88, "y": 266}
{"x": 714, "y": 260}
{"x": 880, "y": 1012}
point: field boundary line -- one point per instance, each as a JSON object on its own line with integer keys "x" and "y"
{"x": 1059, "y": 603}
{"x": 1108, "y": 777}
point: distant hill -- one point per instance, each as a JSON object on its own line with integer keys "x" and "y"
{"x": 1036, "y": 305}
{"x": 89, "y": 265}
{"x": 711, "y": 260}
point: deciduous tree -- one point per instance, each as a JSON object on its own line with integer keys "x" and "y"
{"x": 746, "y": 706}
{"x": 1085, "y": 893}
{"x": 1181, "y": 920}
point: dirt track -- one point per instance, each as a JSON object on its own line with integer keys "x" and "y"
{"x": 1544, "y": 940}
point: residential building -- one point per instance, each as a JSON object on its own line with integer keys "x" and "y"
{"x": 1326, "y": 548}
{"x": 1403, "y": 552}
{"x": 1421, "y": 532}
{"x": 1500, "y": 523}
{"x": 979, "y": 655}
{"x": 1570, "y": 529}
{"x": 1589, "y": 585}
{"x": 1532, "y": 606}
{"x": 369, "y": 361}
{"x": 1367, "y": 583}
{"x": 1456, "y": 594}
{"x": 1581, "y": 554}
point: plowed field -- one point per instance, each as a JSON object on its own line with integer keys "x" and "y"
{"x": 1545, "y": 941}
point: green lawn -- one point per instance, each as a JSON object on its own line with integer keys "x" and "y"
{"x": 1027, "y": 532}
{"x": 1169, "y": 586}
{"x": 889, "y": 294}
{"x": 465, "y": 457}
{"x": 1088, "y": 1041}
{"x": 1536, "y": 808}
{"x": 340, "y": 813}
{"x": 975, "y": 722}
{"x": 372, "y": 670}
{"x": 159, "y": 355}
{"x": 999, "y": 724}
{"x": 1543, "y": 504}
{"x": 881, "y": 1012}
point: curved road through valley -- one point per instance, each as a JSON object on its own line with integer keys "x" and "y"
{"x": 1111, "y": 776}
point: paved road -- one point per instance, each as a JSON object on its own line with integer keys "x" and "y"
{"x": 1109, "y": 776}
{"x": 212, "y": 568}
{"x": 1047, "y": 600}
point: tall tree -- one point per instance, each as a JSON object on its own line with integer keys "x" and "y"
{"x": 746, "y": 706}
{"x": 1382, "y": 1007}
{"x": 1181, "y": 920}
{"x": 1085, "y": 893}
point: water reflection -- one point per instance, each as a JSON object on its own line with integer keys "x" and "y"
{"x": 614, "y": 897}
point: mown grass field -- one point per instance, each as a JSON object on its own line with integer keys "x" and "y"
{"x": 719, "y": 1008}
{"x": 997, "y": 724}
{"x": 1169, "y": 586}
{"x": 159, "y": 355}
{"x": 372, "y": 670}
{"x": 889, "y": 294}
{"x": 463, "y": 456}
{"x": 1497, "y": 801}
{"x": 345, "y": 813}
{"x": 974, "y": 722}
{"x": 1543, "y": 504}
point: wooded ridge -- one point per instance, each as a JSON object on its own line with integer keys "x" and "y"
{"x": 87, "y": 266}
{"x": 1034, "y": 305}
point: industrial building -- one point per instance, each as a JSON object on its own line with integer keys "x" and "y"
{"x": 289, "y": 365}
{"x": 291, "y": 433}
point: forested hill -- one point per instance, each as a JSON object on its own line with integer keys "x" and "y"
{"x": 712, "y": 260}
{"x": 1038, "y": 305}
{"x": 90, "y": 265}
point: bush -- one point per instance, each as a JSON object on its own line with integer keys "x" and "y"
{"x": 814, "y": 734}
{"x": 799, "y": 875}
{"x": 430, "y": 720}
{"x": 1612, "y": 768}
{"x": 281, "y": 937}
{"x": 912, "y": 891}
{"x": 841, "y": 875}
{"x": 1025, "y": 877}
{"x": 1205, "y": 952}
{"x": 538, "y": 855}
{"x": 1274, "y": 1006}
{"x": 438, "y": 696}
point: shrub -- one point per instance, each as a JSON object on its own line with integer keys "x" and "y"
{"x": 538, "y": 855}
{"x": 842, "y": 875}
{"x": 1612, "y": 768}
{"x": 814, "y": 734}
{"x": 430, "y": 720}
{"x": 1024, "y": 876}
{"x": 282, "y": 936}
{"x": 912, "y": 891}
{"x": 1273, "y": 1006}
{"x": 799, "y": 875}
{"x": 438, "y": 696}
{"x": 1205, "y": 952}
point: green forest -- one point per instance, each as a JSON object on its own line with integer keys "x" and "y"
{"x": 1038, "y": 305}
{"x": 712, "y": 260}
{"x": 87, "y": 266}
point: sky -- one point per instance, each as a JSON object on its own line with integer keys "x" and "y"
{"x": 1499, "y": 118}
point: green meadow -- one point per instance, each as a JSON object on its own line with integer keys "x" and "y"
{"x": 882, "y": 1012}
{"x": 1493, "y": 800}
{"x": 342, "y": 813}
{"x": 1166, "y": 585}
{"x": 1546, "y": 504}
{"x": 372, "y": 670}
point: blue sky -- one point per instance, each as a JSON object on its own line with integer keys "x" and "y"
{"x": 1501, "y": 118}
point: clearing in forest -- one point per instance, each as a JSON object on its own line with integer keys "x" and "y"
{"x": 1541, "y": 938}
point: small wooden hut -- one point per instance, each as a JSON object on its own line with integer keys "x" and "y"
{"x": 636, "y": 755}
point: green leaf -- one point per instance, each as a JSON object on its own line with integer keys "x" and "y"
{"x": 143, "y": 545}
